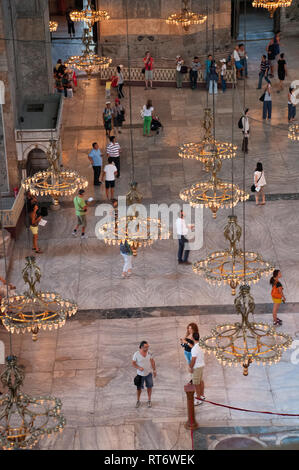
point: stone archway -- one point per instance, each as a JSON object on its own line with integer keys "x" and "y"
{"x": 259, "y": 25}
{"x": 36, "y": 161}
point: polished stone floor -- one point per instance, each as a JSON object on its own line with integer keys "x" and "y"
{"x": 87, "y": 363}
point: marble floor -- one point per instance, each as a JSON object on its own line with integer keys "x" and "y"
{"x": 87, "y": 363}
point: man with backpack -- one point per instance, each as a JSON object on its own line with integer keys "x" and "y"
{"x": 244, "y": 125}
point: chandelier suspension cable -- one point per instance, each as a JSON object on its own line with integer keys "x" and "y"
{"x": 233, "y": 137}
{"x": 5, "y": 266}
{"x": 130, "y": 95}
{"x": 207, "y": 42}
{"x": 214, "y": 65}
{"x": 244, "y": 153}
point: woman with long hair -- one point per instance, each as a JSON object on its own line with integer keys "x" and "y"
{"x": 277, "y": 295}
{"x": 120, "y": 82}
{"x": 187, "y": 343}
{"x": 259, "y": 183}
{"x": 147, "y": 112}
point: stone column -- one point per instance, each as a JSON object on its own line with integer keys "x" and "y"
{"x": 25, "y": 65}
{"x": 26, "y": 24}
{"x": 191, "y": 423}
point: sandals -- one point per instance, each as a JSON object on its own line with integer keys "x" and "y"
{"x": 278, "y": 322}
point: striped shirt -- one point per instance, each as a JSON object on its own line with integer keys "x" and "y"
{"x": 113, "y": 149}
{"x": 265, "y": 66}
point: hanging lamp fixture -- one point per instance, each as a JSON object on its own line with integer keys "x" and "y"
{"x": 294, "y": 132}
{"x": 247, "y": 341}
{"x": 89, "y": 15}
{"x": 186, "y": 17}
{"x": 227, "y": 267}
{"x": 208, "y": 148}
{"x": 88, "y": 61}
{"x": 24, "y": 419}
{"x": 53, "y": 25}
{"x": 271, "y": 5}
{"x": 54, "y": 182}
{"x": 35, "y": 310}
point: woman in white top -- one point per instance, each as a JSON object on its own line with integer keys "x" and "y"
{"x": 179, "y": 75}
{"x": 259, "y": 183}
{"x": 147, "y": 112}
{"x": 291, "y": 105}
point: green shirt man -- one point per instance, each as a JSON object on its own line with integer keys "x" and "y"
{"x": 80, "y": 208}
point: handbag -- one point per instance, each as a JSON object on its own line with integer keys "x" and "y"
{"x": 184, "y": 69}
{"x": 253, "y": 189}
{"x": 143, "y": 70}
{"x": 137, "y": 380}
{"x": 262, "y": 98}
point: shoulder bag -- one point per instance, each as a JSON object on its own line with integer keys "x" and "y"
{"x": 262, "y": 98}
{"x": 253, "y": 190}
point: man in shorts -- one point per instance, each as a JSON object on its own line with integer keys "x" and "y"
{"x": 109, "y": 173}
{"x": 196, "y": 368}
{"x": 148, "y": 69}
{"x": 81, "y": 209}
{"x": 144, "y": 363}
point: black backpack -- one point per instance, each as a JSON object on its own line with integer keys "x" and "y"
{"x": 240, "y": 123}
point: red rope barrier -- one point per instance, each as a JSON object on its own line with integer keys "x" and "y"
{"x": 249, "y": 411}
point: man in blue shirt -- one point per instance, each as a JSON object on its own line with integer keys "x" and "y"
{"x": 95, "y": 159}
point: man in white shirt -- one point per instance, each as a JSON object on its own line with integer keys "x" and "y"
{"x": 196, "y": 368}
{"x": 182, "y": 231}
{"x": 237, "y": 62}
{"x": 144, "y": 362}
{"x": 113, "y": 150}
{"x": 245, "y": 130}
{"x": 109, "y": 173}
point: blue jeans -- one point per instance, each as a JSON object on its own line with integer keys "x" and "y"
{"x": 244, "y": 64}
{"x": 182, "y": 242}
{"x": 211, "y": 87}
{"x": 267, "y": 109}
{"x": 223, "y": 84}
{"x": 188, "y": 356}
{"x": 291, "y": 111}
{"x": 193, "y": 78}
{"x": 261, "y": 76}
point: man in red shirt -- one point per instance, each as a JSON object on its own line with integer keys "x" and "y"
{"x": 148, "y": 69}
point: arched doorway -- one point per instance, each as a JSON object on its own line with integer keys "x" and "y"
{"x": 259, "y": 25}
{"x": 36, "y": 161}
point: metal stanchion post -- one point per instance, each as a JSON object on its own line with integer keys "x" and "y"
{"x": 191, "y": 423}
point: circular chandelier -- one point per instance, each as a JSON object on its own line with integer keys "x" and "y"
{"x": 214, "y": 194}
{"x": 271, "y": 5}
{"x": 24, "y": 419}
{"x": 53, "y": 181}
{"x": 186, "y": 17}
{"x": 35, "y": 310}
{"x": 89, "y": 15}
{"x": 136, "y": 230}
{"x": 53, "y": 25}
{"x": 294, "y": 132}
{"x": 227, "y": 267}
{"x": 246, "y": 341}
{"x": 88, "y": 61}
{"x": 208, "y": 148}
